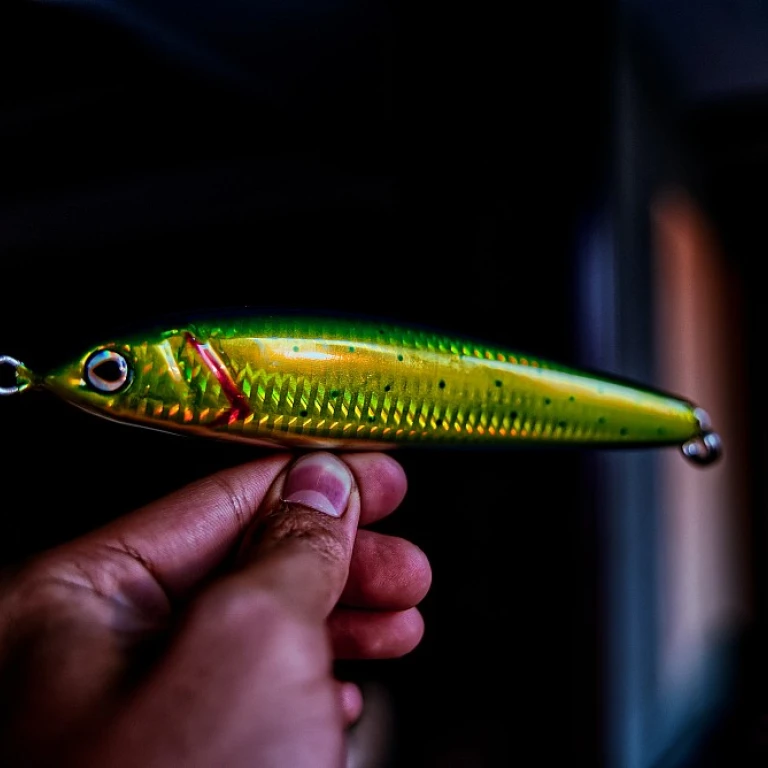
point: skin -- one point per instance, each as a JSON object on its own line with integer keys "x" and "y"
{"x": 201, "y": 630}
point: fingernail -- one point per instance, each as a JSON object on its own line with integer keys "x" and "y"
{"x": 320, "y": 481}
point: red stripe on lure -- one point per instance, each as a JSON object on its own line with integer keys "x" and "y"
{"x": 240, "y": 408}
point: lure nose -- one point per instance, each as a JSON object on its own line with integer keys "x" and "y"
{"x": 59, "y": 380}
{"x": 15, "y": 377}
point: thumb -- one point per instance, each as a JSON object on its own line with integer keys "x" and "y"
{"x": 252, "y": 663}
{"x": 300, "y": 544}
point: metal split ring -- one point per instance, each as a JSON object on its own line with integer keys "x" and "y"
{"x": 706, "y": 447}
{"x": 21, "y": 383}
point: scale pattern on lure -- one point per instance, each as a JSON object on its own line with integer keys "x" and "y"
{"x": 333, "y": 384}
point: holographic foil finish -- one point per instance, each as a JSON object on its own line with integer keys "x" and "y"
{"x": 335, "y": 384}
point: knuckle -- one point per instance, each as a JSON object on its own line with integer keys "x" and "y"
{"x": 311, "y": 530}
{"x": 36, "y": 598}
{"x": 100, "y": 583}
{"x": 234, "y": 496}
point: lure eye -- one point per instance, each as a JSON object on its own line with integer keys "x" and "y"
{"x": 107, "y": 371}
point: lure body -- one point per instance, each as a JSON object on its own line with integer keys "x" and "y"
{"x": 333, "y": 384}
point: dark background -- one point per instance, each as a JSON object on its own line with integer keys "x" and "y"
{"x": 427, "y": 164}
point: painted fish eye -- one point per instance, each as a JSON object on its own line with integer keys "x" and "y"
{"x": 107, "y": 371}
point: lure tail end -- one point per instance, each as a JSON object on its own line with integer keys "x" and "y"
{"x": 706, "y": 447}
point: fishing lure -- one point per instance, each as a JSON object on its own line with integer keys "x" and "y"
{"x": 334, "y": 384}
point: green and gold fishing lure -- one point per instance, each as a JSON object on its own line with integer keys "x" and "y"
{"x": 333, "y": 384}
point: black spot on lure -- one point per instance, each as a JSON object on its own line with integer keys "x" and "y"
{"x": 341, "y": 384}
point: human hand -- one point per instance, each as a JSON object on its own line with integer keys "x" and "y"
{"x": 201, "y": 629}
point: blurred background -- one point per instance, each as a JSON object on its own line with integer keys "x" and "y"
{"x": 586, "y": 184}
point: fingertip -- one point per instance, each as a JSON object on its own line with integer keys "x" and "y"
{"x": 320, "y": 481}
{"x": 351, "y": 700}
{"x": 413, "y": 627}
{"x": 386, "y": 573}
{"x": 420, "y": 574}
{"x": 382, "y": 482}
{"x": 375, "y": 635}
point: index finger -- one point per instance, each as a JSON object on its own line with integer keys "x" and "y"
{"x": 181, "y": 538}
